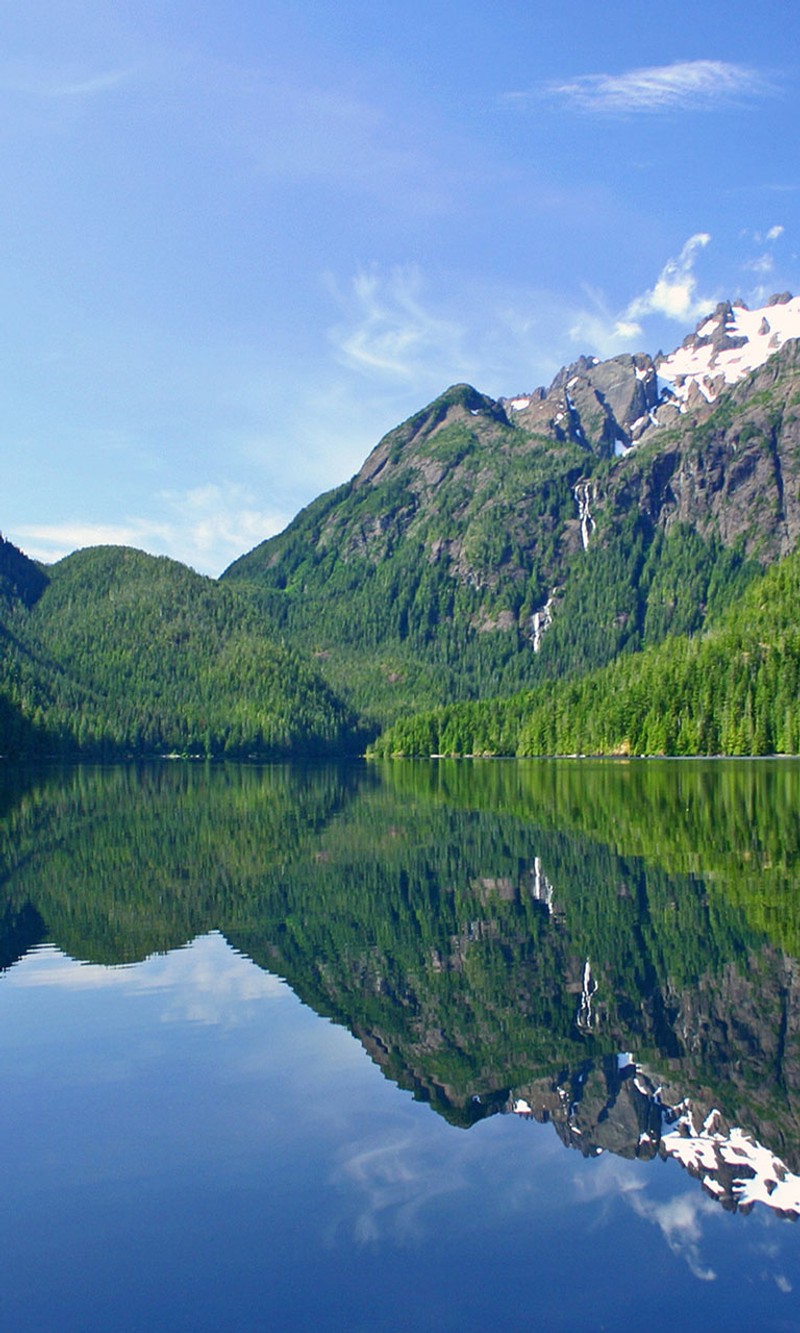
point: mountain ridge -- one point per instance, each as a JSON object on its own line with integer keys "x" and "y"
{"x": 517, "y": 540}
{"x": 636, "y": 392}
{"x": 484, "y": 547}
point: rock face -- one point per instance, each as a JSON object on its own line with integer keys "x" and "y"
{"x": 457, "y": 407}
{"x": 604, "y": 406}
{"x": 608, "y": 406}
{"x": 734, "y": 472}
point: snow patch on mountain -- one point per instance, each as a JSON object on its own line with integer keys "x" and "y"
{"x": 608, "y": 407}
{"x": 726, "y": 346}
{"x": 618, "y": 1107}
{"x": 733, "y": 1164}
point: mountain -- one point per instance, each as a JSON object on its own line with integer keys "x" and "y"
{"x": 611, "y": 405}
{"x": 487, "y": 545}
{"x": 112, "y": 650}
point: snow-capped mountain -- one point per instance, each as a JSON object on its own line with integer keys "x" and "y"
{"x": 726, "y": 346}
{"x": 608, "y": 406}
{"x": 540, "y": 536}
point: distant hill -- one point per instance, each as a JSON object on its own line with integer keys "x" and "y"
{"x": 112, "y": 650}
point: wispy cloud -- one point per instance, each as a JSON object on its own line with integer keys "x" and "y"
{"x": 674, "y": 296}
{"x": 55, "y": 84}
{"x": 598, "y": 329}
{"x": 388, "y": 331}
{"x": 762, "y": 264}
{"x": 394, "y": 1184}
{"x": 393, "y": 334}
{"x": 674, "y": 293}
{"x": 92, "y": 86}
{"x": 767, "y": 237}
{"x": 219, "y": 519}
{"x": 679, "y": 1221}
{"x": 690, "y": 85}
{"x": 206, "y": 527}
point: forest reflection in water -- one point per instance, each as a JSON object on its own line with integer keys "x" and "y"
{"x": 610, "y": 947}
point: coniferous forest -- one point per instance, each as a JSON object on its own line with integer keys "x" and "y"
{"x": 734, "y": 689}
{"x": 113, "y": 651}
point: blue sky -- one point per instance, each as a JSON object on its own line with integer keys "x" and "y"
{"x": 241, "y": 241}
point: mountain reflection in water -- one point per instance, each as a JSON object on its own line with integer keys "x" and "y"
{"x": 608, "y": 947}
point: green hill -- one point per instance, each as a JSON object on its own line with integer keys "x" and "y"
{"x": 116, "y": 651}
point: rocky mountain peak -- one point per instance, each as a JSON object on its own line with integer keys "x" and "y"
{"x": 604, "y": 406}
{"x": 726, "y": 345}
{"x": 461, "y": 403}
{"x": 617, "y": 1106}
{"x": 608, "y": 406}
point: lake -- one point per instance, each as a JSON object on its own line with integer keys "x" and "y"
{"x": 416, "y": 1045}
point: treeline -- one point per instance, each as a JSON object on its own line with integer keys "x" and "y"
{"x": 124, "y": 652}
{"x": 732, "y": 690}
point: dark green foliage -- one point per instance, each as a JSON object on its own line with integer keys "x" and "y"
{"x": 123, "y": 652}
{"x": 419, "y": 575}
{"x": 733, "y": 690}
{"x": 635, "y": 586}
{"x": 21, "y": 579}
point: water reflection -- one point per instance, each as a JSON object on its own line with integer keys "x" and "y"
{"x": 611, "y": 948}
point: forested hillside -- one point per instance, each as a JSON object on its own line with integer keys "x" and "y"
{"x": 111, "y": 650}
{"x": 473, "y": 555}
{"x": 734, "y": 689}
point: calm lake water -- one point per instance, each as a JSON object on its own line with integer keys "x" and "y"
{"x": 436, "y": 1045}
